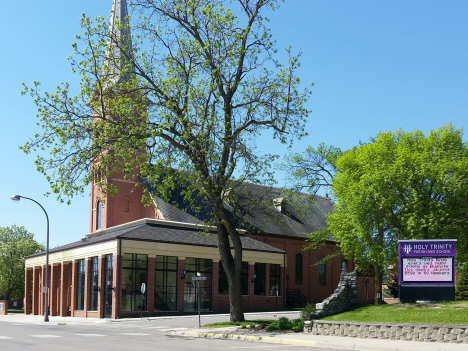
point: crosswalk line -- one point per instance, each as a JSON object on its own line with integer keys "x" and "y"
{"x": 4, "y": 337}
{"x": 90, "y": 334}
{"x": 45, "y": 336}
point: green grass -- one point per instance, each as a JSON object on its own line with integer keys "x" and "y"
{"x": 15, "y": 310}
{"x": 440, "y": 313}
{"x": 234, "y": 324}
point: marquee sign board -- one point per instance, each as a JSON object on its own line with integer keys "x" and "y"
{"x": 426, "y": 262}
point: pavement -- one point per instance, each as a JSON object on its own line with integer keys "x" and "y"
{"x": 301, "y": 338}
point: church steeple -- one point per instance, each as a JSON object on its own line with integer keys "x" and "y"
{"x": 118, "y": 65}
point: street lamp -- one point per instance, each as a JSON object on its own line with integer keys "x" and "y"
{"x": 46, "y": 297}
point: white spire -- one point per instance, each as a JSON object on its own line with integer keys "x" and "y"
{"x": 119, "y": 51}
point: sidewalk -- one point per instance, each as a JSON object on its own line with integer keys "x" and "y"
{"x": 334, "y": 342}
{"x": 35, "y": 319}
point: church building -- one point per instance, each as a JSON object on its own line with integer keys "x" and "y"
{"x": 149, "y": 260}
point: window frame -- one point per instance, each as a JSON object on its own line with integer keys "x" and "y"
{"x": 322, "y": 273}
{"x": 80, "y": 284}
{"x": 299, "y": 269}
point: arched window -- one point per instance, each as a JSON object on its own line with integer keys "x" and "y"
{"x": 98, "y": 215}
{"x": 344, "y": 264}
{"x": 322, "y": 272}
{"x": 298, "y": 279}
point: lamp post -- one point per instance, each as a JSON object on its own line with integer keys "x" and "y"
{"x": 46, "y": 297}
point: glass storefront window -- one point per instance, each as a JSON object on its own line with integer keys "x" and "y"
{"x": 192, "y": 266}
{"x": 165, "y": 283}
{"x": 275, "y": 280}
{"x": 134, "y": 273}
{"x": 94, "y": 286}
{"x": 80, "y": 286}
{"x": 223, "y": 287}
{"x": 259, "y": 282}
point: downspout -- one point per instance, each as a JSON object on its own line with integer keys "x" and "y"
{"x": 118, "y": 280}
{"x": 284, "y": 280}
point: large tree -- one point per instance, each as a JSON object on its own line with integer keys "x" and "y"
{"x": 401, "y": 185}
{"x": 192, "y": 91}
{"x": 15, "y": 244}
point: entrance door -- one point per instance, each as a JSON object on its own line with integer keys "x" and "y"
{"x": 109, "y": 285}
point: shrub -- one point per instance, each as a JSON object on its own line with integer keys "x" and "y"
{"x": 298, "y": 324}
{"x": 461, "y": 293}
{"x": 307, "y": 309}
{"x": 284, "y": 323}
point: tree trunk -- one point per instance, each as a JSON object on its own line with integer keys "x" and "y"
{"x": 378, "y": 286}
{"x": 232, "y": 265}
{"x": 379, "y": 269}
{"x": 8, "y": 291}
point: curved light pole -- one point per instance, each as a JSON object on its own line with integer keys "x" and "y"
{"x": 46, "y": 297}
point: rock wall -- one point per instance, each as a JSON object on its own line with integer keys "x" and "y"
{"x": 343, "y": 298}
{"x": 411, "y": 332}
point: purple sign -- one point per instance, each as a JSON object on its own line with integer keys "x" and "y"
{"x": 426, "y": 262}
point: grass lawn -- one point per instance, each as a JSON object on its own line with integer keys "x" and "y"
{"x": 440, "y": 313}
{"x": 233, "y": 324}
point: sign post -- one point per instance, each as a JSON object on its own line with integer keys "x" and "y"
{"x": 143, "y": 290}
{"x": 197, "y": 279}
{"x": 424, "y": 264}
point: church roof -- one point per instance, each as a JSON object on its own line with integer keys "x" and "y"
{"x": 301, "y": 214}
{"x": 162, "y": 231}
{"x": 118, "y": 65}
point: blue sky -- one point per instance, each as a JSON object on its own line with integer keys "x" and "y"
{"x": 376, "y": 65}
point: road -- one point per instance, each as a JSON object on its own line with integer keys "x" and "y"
{"x": 154, "y": 334}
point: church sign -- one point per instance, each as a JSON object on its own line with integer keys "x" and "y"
{"x": 423, "y": 264}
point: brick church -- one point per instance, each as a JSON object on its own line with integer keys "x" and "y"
{"x": 128, "y": 244}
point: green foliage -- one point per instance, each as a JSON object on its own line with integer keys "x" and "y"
{"x": 401, "y": 185}
{"x": 461, "y": 291}
{"x": 307, "y": 309}
{"x": 284, "y": 323}
{"x": 15, "y": 244}
{"x": 192, "y": 92}
{"x": 240, "y": 324}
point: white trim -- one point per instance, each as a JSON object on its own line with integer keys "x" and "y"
{"x": 413, "y": 240}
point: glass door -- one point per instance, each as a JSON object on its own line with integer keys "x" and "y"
{"x": 108, "y": 285}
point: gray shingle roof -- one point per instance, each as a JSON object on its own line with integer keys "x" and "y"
{"x": 163, "y": 233}
{"x": 304, "y": 214}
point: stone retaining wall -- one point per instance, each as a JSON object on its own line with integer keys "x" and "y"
{"x": 451, "y": 333}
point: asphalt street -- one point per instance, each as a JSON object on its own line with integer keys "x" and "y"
{"x": 20, "y": 332}
{"x": 146, "y": 334}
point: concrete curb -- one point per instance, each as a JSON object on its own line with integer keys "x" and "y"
{"x": 356, "y": 344}
{"x": 252, "y": 337}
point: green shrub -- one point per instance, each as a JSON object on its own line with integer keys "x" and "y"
{"x": 307, "y": 309}
{"x": 298, "y": 324}
{"x": 284, "y": 323}
{"x": 461, "y": 292}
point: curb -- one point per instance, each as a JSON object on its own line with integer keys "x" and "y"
{"x": 252, "y": 337}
